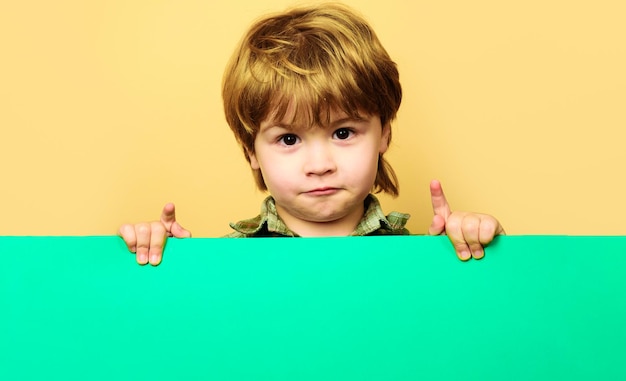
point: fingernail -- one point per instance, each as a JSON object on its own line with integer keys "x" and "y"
{"x": 142, "y": 258}
{"x": 154, "y": 259}
{"x": 465, "y": 255}
{"x": 478, "y": 253}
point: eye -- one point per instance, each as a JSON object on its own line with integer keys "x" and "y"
{"x": 343, "y": 133}
{"x": 288, "y": 139}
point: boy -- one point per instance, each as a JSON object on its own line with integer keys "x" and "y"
{"x": 310, "y": 94}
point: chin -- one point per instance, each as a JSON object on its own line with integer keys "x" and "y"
{"x": 327, "y": 217}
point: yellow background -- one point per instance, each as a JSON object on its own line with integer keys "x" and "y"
{"x": 111, "y": 108}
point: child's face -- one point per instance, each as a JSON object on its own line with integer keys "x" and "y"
{"x": 320, "y": 174}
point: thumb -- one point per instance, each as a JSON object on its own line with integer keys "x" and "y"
{"x": 438, "y": 226}
{"x": 179, "y": 232}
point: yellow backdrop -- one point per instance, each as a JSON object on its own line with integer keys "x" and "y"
{"x": 111, "y": 108}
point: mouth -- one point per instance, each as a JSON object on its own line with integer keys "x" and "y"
{"x": 325, "y": 191}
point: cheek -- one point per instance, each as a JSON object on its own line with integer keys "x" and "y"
{"x": 278, "y": 174}
{"x": 363, "y": 169}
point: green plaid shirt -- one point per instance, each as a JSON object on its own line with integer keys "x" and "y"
{"x": 269, "y": 224}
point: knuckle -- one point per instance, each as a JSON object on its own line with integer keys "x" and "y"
{"x": 158, "y": 228}
{"x": 460, "y": 246}
{"x": 488, "y": 227}
{"x": 471, "y": 225}
{"x": 143, "y": 228}
{"x": 475, "y": 247}
{"x": 453, "y": 224}
{"x": 124, "y": 229}
{"x": 156, "y": 246}
{"x": 127, "y": 232}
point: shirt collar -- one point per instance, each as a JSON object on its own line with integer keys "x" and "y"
{"x": 372, "y": 221}
{"x": 268, "y": 219}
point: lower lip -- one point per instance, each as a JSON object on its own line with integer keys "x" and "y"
{"x": 323, "y": 192}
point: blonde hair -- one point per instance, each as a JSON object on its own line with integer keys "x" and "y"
{"x": 315, "y": 58}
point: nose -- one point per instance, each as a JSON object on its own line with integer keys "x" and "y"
{"x": 319, "y": 159}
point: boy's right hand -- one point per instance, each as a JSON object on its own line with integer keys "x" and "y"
{"x": 147, "y": 239}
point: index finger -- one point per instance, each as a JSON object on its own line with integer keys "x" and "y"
{"x": 168, "y": 215}
{"x": 438, "y": 199}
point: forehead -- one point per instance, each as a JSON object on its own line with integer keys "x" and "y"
{"x": 299, "y": 116}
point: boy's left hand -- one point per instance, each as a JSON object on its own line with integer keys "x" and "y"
{"x": 468, "y": 232}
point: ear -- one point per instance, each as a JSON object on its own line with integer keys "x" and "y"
{"x": 384, "y": 138}
{"x": 254, "y": 163}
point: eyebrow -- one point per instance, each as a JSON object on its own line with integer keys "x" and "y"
{"x": 347, "y": 119}
{"x": 334, "y": 123}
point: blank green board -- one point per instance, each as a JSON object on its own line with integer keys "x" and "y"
{"x": 354, "y": 308}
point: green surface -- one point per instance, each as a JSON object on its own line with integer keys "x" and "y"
{"x": 536, "y": 308}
